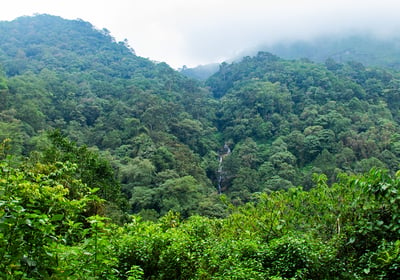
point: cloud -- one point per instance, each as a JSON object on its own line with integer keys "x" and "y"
{"x": 235, "y": 28}
{"x": 194, "y": 32}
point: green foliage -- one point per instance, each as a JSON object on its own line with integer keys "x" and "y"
{"x": 283, "y": 120}
{"x": 282, "y": 235}
{"x": 92, "y": 170}
{"x": 130, "y": 135}
{"x": 348, "y": 230}
{"x": 101, "y": 95}
{"x": 328, "y": 120}
{"x": 94, "y": 257}
{"x": 36, "y": 214}
{"x": 292, "y": 258}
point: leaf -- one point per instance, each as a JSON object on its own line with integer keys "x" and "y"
{"x": 94, "y": 190}
{"x": 57, "y": 217}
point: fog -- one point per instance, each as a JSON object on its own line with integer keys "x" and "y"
{"x": 192, "y": 32}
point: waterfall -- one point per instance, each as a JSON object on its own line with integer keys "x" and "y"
{"x": 219, "y": 174}
{"x": 221, "y": 156}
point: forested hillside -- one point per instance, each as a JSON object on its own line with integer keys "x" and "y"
{"x": 152, "y": 124}
{"x": 286, "y": 120}
{"x": 282, "y": 120}
{"x": 116, "y": 167}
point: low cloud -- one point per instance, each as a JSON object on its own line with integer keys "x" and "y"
{"x": 195, "y": 32}
{"x": 211, "y": 37}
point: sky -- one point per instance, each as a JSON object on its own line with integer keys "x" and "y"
{"x": 194, "y": 32}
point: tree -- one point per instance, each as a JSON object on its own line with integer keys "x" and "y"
{"x": 181, "y": 195}
{"x": 3, "y": 93}
{"x": 37, "y": 213}
{"x": 93, "y": 170}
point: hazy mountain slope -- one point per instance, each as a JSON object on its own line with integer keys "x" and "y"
{"x": 367, "y": 49}
{"x": 201, "y": 72}
{"x": 151, "y": 121}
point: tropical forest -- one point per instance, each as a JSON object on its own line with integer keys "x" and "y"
{"x": 114, "y": 166}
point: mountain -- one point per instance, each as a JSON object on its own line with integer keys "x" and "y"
{"x": 116, "y": 167}
{"x": 368, "y": 49}
{"x": 201, "y": 72}
{"x": 286, "y": 120}
{"x": 152, "y": 122}
{"x": 259, "y": 124}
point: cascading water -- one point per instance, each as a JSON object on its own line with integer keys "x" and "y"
{"x": 219, "y": 174}
{"x": 221, "y": 157}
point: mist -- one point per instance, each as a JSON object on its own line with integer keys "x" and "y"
{"x": 240, "y": 30}
{"x": 193, "y": 32}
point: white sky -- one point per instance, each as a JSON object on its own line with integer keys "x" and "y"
{"x": 192, "y": 32}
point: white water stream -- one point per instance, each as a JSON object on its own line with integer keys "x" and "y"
{"x": 221, "y": 157}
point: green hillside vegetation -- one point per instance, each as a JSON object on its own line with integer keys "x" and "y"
{"x": 53, "y": 226}
{"x": 117, "y": 167}
{"x": 286, "y": 120}
{"x": 152, "y": 123}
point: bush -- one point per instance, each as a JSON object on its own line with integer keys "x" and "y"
{"x": 295, "y": 257}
